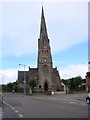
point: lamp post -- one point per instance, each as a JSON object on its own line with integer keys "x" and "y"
{"x": 24, "y": 79}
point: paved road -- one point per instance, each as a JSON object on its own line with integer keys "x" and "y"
{"x": 44, "y": 106}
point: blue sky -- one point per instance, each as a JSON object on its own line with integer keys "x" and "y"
{"x": 67, "y": 26}
{"x": 66, "y": 57}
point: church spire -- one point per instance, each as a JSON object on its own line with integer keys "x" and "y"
{"x": 43, "y": 29}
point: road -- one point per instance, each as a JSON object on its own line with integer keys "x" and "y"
{"x": 44, "y": 106}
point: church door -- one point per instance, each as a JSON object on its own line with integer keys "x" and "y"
{"x": 46, "y": 86}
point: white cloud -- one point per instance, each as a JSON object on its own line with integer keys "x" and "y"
{"x": 73, "y": 71}
{"x": 67, "y": 26}
{"x": 10, "y": 75}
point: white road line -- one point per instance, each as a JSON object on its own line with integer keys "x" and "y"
{"x": 12, "y": 108}
{"x": 16, "y": 111}
{"x": 20, "y": 115}
{"x": 7, "y": 104}
{"x": 72, "y": 102}
{"x": 65, "y": 99}
{"x": 4, "y": 102}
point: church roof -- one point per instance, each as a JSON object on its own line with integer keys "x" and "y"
{"x": 43, "y": 28}
{"x": 55, "y": 72}
{"x": 33, "y": 70}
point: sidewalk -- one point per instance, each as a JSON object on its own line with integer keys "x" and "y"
{"x": 79, "y": 96}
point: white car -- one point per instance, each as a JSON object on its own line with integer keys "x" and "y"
{"x": 88, "y": 98}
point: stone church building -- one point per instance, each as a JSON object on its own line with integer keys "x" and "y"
{"x": 47, "y": 77}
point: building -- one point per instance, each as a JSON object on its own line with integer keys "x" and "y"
{"x": 47, "y": 77}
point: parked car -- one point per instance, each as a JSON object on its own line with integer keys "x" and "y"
{"x": 88, "y": 98}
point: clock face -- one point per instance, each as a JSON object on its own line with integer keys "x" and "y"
{"x": 45, "y": 60}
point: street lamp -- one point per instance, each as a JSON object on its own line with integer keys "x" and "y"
{"x": 24, "y": 79}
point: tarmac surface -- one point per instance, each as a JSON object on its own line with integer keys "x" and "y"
{"x": 60, "y": 105}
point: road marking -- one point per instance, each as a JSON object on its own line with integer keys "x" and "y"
{"x": 4, "y": 102}
{"x": 20, "y": 115}
{"x": 12, "y": 108}
{"x": 72, "y": 102}
{"x": 7, "y": 104}
{"x": 65, "y": 99}
{"x": 16, "y": 111}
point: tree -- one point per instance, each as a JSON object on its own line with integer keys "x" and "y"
{"x": 9, "y": 87}
{"x": 74, "y": 83}
{"x": 65, "y": 81}
{"x": 14, "y": 84}
{"x": 32, "y": 84}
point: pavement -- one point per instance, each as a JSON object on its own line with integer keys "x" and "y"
{"x": 81, "y": 96}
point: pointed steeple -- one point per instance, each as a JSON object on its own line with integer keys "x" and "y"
{"x": 43, "y": 29}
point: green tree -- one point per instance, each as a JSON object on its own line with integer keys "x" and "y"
{"x": 74, "y": 83}
{"x": 65, "y": 81}
{"x": 32, "y": 84}
{"x": 14, "y": 86}
{"x": 9, "y": 87}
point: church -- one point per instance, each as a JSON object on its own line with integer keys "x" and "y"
{"x": 47, "y": 77}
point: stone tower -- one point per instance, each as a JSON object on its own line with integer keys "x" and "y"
{"x": 47, "y": 77}
{"x": 45, "y": 65}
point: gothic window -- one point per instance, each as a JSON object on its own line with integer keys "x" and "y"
{"x": 45, "y": 70}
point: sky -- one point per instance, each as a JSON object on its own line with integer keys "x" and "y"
{"x": 67, "y": 26}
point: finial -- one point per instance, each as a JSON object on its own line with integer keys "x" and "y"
{"x": 42, "y": 12}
